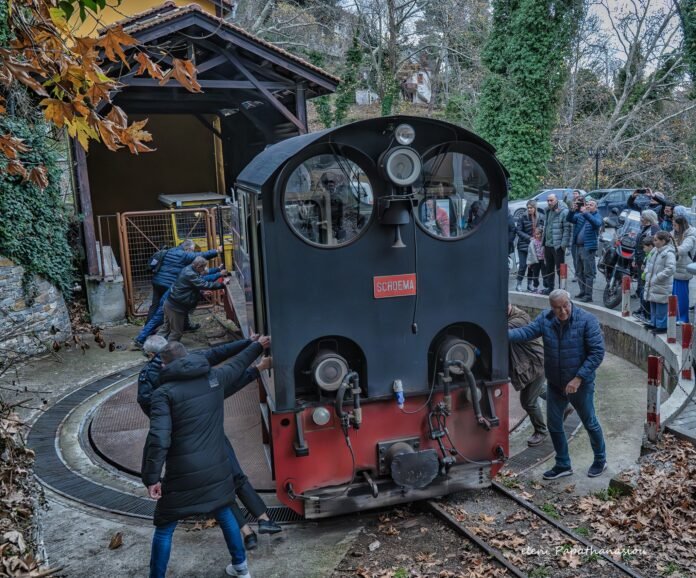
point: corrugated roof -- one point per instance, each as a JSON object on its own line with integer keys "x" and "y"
{"x": 169, "y": 11}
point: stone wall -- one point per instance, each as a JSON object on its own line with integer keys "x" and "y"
{"x": 29, "y": 324}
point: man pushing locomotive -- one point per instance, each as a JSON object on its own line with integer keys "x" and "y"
{"x": 573, "y": 350}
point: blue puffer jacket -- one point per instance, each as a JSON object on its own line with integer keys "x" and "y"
{"x": 591, "y": 222}
{"x": 575, "y": 348}
{"x": 174, "y": 261}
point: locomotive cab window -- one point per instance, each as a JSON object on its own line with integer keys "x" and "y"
{"x": 455, "y": 194}
{"x": 328, "y": 200}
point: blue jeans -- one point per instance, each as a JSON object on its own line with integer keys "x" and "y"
{"x": 151, "y": 326}
{"x": 658, "y": 314}
{"x": 583, "y": 402}
{"x": 162, "y": 542}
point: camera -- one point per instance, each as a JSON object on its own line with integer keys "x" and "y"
{"x": 641, "y": 191}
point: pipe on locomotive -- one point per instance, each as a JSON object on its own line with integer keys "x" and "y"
{"x": 351, "y": 379}
{"x": 471, "y": 383}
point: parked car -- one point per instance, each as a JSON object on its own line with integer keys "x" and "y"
{"x": 519, "y": 207}
{"x": 608, "y": 199}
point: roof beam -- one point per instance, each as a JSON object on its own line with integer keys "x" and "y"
{"x": 211, "y": 63}
{"x": 233, "y": 84}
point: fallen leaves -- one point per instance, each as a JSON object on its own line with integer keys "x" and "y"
{"x": 116, "y": 541}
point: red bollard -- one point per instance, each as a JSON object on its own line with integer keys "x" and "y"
{"x": 672, "y": 319}
{"x": 687, "y": 335}
{"x": 654, "y": 380}
{"x": 563, "y": 281}
{"x": 626, "y": 296}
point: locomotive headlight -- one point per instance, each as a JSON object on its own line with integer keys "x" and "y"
{"x": 321, "y": 416}
{"x": 329, "y": 369}
{"x": 455, "y": 349}
{"x": 404, "y": 134}
{"x": 402, "y": 166}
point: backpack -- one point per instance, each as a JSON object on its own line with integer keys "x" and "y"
{"x": 157, "y": 260}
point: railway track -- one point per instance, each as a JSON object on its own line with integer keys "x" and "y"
{"x": 538, "y": 522}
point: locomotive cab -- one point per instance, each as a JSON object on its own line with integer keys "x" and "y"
{"x": 375, "y": 254}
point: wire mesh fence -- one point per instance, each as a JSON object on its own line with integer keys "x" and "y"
{"x": 144, "y": 233}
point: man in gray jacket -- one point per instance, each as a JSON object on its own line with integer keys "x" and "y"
{"x": 556, "y": 240}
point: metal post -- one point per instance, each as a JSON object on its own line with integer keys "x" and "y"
{"x": 672, "y": 319}
{"x": 654, "y": 380}
{"x": 687, "y": 334}
{"x": 626, "y": 296}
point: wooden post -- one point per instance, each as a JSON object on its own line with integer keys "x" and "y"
{"x": 687, "y": 334}
{"x": 563, "y": 277}
{"x": 626, "y": 296}
{"x": 672, "y": 319}
{"x": 654, "y": 379}
{"x": 85, "y": 196}
{"x": 301, "y": 104}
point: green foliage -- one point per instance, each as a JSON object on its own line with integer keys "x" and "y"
{"x": 34, "y": 225}
{"x": 526, "y": 56}
{"x": 345, "y": 93}
{"x": 687, "y": 9}
{"x": 582, "y": 531}
{"x": 550, "y": 510}
{"x": 539, "y": 572}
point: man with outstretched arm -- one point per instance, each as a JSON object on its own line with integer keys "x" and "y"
{"x": 573, "y": 350}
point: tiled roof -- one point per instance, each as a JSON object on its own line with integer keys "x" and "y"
{"x": 169, "y": 11}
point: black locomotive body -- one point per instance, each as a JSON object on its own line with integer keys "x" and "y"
{"x": 375, "y": 255}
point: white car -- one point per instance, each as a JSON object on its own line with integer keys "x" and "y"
{"x": 518, "y": 208}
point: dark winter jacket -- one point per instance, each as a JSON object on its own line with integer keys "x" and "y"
{"x": 149, "y": 378}
{"x": 526, "y": 357}
{"x": 574, "y": 348}
{"x": 639, "y": 254}
{"x": 187, "y": 434}
{"x": 512, "y": 233}
{"x": 557, "y": 231}
{"x": 174, "y": 261}
{"x": 187, "y": 290}
{"x": 590, "y": 223}
{"x": 656, "y": 204}
{"x": 525, "y": 230}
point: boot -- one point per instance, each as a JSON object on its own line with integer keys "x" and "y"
{"x": 587, "y": 298}
{"x": 518, "y": 287}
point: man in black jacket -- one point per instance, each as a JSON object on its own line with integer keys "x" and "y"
{"x": 184, "y": 297}
{"x": 187, "y": 435}
{"x": 149, "y": 381}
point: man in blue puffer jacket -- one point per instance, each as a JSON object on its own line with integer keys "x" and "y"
{"x": 587, "y": 223}
{"x": 173, "y": 262}
{"x": 573, "y": 350}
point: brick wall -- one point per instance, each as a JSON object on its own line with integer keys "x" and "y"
{"x": 29, "y": 325}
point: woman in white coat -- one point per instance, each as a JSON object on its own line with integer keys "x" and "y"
{"x": 659, "y": 277}
{"x": 685, "y": 239}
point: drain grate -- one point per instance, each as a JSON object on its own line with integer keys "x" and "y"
{"x": 53, "y": 473}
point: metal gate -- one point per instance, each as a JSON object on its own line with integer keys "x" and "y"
{"x": 143, "y": 233}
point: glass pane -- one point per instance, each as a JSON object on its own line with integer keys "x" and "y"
{"x": 328, "y": 200}
{"x": 454, "y": 197}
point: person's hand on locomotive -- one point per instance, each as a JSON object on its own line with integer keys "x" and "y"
{"x": 264, "y": 341}
{"x": 265, "y": 363}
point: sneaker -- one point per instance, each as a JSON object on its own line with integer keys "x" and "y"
{"x": 269, "y": 527}
{"x": 136, "y": 345}
{"x": 586, "y": 299}
{"x": 240, "y": 570}
{"x": 518, "y": 287}
{"x": 536, "y": 439}
{"x": 251, "y": 541}
{"x": 596, "y": 469}
{"x": 579, "y": 295}
{"x": 557, "y": 472}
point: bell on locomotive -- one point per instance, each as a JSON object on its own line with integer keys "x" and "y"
{"x": 375, "y": 254}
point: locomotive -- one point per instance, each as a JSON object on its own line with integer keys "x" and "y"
{"x": 375, "y": 255}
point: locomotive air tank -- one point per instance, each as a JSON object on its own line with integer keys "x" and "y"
{"x": 375, "y": 254}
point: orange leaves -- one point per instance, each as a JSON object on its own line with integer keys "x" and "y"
{"x": 112, "y": 42}
{"x": 11, "y": 146}
{"x": 134, "y": 137}
{"x": 147, "y": 66}
{"x": 185, "y": 73}
{"x": 57, "y": 111}
{"x": 39, "y": 177}
{"x": 20, "y": 71}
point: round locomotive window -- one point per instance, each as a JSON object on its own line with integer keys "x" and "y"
{"x": 454, "y": 197}
{"x": 328, "y": 200}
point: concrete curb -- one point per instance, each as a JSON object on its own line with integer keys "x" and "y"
{"x": 629, "y": 340}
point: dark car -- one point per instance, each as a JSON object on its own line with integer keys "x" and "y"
{"x": 518, "y": 208}
{"x": 608, "y": 199}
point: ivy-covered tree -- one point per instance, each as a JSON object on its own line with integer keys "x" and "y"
{"x": 345, "y": 94}
{"x": 34, "y": 225}
{"x": 687, "y": 14}
{"x": 526, "y": 56}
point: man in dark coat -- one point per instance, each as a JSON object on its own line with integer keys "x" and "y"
{"x": 573, "y": 350}
{"x": 187, "y": 435}
{"x": 184, "y": 297}
{"x": 587, "y": 224}
{"x": 527, "y": 374}
{"x": 173, "y": 261}
{"x": 149, "y": 381}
